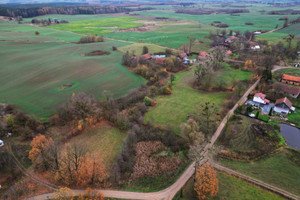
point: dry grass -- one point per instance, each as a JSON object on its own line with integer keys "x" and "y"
{"x": 104, "y": 140}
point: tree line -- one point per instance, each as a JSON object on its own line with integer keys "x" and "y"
{"x": 27, "y": 12}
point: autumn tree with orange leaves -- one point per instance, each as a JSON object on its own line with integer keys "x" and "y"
{"x": 38, "y": 152}
{"x": 79, "y": 167}
{"x": 206, "y": 182}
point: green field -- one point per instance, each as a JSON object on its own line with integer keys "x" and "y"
{"x": 172, "y": 110}
{"x": 294, "y": 29}
{"x": 99, "y": 26}
{"x": 33, "y": 69}
{"x": 231, "y": 188}
{"x": 11, "y": 31}
{"x": 236, "y": 23}
{"x": 105, "y": 141}
{"x": 70, "y": 18}
{"x": 281, "y": 169}
{"x": 173, "y": 36}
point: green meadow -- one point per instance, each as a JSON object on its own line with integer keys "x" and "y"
{"x": 281, "y": 169}
{"x": 231, "y": 188}
{"x": 99, "y": 26}
{"x": 236, "y": 23}
{"x": 173, "y": 36}
{"x": 34, "y": 69}
{"x": 172, "y": 110}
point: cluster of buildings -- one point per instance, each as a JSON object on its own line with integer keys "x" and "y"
{"x": 281, "y": 106}
{"x": 161, "y": 59}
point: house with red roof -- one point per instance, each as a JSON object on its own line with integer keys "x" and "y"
{"x": 182, "y": 56}
{"x": 144, "y": 57}
{"x": 260, "y": 98}
{"x": 203, "y": 55}
{"x": 293, "y": 80}
{"x": 161, "y": 61}
{"x": 283, "y": 106}
{"x": 288, "y": 90}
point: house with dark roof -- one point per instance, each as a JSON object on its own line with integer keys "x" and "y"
{"x": 293, "y": 80}
{"x": 287, "y": 89}
{"x": 283, "y": 106}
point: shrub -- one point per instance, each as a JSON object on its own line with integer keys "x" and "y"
{"x": 122, "y": 121}
{"x": 147, "y": 101}
{"x": 114, "y": 48}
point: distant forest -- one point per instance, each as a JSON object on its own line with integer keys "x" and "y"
{"x": 13, "y": 11}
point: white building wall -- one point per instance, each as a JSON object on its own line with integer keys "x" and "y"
{"x": 259, "y": 100}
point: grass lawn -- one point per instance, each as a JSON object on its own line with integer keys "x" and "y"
{"x": 32, "y": 72}
{"x": 293, "y": 72}
{"x": 228, "y": 75}
{"x": 172, "y": 110}
{"x": 99, "y": 26}
{"x": 231, "y": 188}
{"x": 106, "y": 141}
{"x": 295, "y": 117}
{"x": 281, "y": 169}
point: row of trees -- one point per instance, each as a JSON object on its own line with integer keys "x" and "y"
{"x": 34, "y": 11}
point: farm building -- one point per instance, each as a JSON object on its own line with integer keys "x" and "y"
{"x": 283, "y": 106}
{"x": 290, "y": 90}
{"x": 293, "y": 80}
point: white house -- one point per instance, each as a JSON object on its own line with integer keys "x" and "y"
{"x": 283, "y": 106}
{"x": 1, "y": 143}
{"x": 255, "y": 47}
{"x": 257, "y": 33}
{"x": 260, "y": 98}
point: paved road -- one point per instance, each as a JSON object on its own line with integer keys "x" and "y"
{"x": 170, "y": 192}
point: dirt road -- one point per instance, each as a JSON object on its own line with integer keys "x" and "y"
{"x": 170, "y": 192}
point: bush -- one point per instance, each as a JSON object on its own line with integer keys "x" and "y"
{"x": 114, "y": 48}
{"x": 166, "y": 90}
{"x": 147, "y": 101}
{"x": 122, "y": 121}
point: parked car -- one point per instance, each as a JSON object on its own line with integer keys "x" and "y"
{"x": 1, "y": 143}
